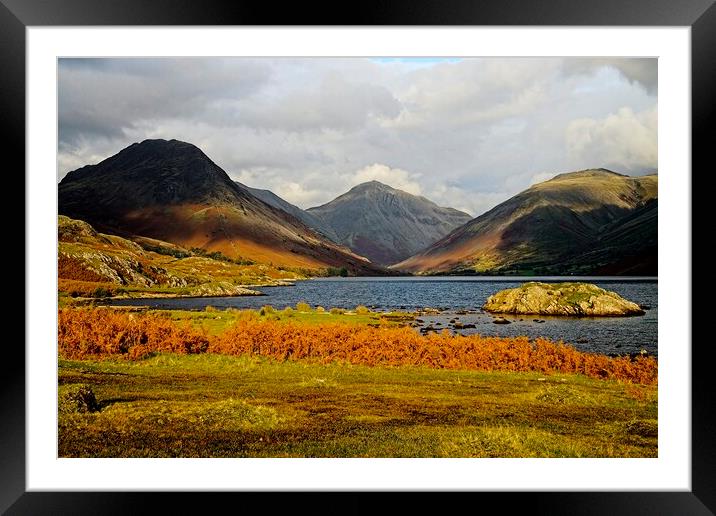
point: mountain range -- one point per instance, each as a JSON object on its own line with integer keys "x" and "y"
{"x": 377, "y": 221}
{"x": 591, "y": 221}
{"x": 170, "y": 190}
{"x": 304, "y": 216}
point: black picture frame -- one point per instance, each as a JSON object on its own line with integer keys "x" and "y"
{"x": 16, "y": 15}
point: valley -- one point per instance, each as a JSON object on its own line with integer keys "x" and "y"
{"x": 586, "y": 222}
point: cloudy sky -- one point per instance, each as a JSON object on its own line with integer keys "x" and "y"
{"x": 467, "y": 133}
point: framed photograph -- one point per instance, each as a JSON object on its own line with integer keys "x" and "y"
{"x": 419, "y": 252}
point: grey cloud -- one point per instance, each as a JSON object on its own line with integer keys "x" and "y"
{"x": 468, "y": 133}
{"x": 643, "y": 71}
{"x": 335, "y": 103}
{"x": 104, "y": 97}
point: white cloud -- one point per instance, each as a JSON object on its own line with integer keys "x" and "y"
{"x": 395, "y": 177}
{"x": 473, "y": 203}
{"x": 296, "y": 194}
{"x": 623, "y": 141}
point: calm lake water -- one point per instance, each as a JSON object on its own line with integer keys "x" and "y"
{"x": 457, "y": 293}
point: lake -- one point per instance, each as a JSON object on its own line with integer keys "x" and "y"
{"x": 459, "y": 293}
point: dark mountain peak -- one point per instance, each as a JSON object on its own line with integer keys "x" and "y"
{"x": 372, "y": 191}
{"x": 386, "y": 224}
{"x": 149, "y": 173}
{"x": 150, "y": 156}
{"x": 160, "y": 150}
{"x": 372, "y": 186}
{"x": 161, "y": 142}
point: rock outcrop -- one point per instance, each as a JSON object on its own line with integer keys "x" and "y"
{"x": 570, "y": 299}
{"x": 220, "y": 289}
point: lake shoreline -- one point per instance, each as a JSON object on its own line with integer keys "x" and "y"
{"x": 419, "y": 278}
{"x": 448, "y": 297}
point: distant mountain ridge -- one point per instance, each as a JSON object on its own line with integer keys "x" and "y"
{"x": 307, "y": 218}
{"x": 384, "y": 224}
{"x": 170, "y": 190}
{"x": 589, "y": 221}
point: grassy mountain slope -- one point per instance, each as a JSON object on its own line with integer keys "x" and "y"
{"x": 576, "y": 222}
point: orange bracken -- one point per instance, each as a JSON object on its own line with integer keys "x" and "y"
{"x": 85, "y": 333}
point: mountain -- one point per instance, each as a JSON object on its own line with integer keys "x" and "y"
{"x": 384, "y": 224}
{"x": 590, "y": 221}
{"x": 307, "y": 218}
{"x": 170, "y": 190}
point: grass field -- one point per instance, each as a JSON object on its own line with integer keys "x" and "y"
{"x": 215, "y": 321}
{"x": 211, "y": 405}
{"x": 303, "y": 382}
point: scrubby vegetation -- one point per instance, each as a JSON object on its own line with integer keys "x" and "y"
{"x": 91, "y": 332}
{"x": 337, "y": 271}
{"x": 218, "y": 255}
{"x": 302, "y": 306}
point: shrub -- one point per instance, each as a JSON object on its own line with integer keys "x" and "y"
{"x": 267, "y": 310}
{"x": 87, "y": 332}
{"x": 168, "y": 251}
{"x": 101, "y": 292}
{"x": 320, "y": 309}
{"x": 69, "y": 267}
{"x": 337, "y": 311}
{"x": 75, "y": 288}
{"x": 302, "y": 306}
{"x": 248, "y": 315}
{"x": 362, "y": 310}
{"x": 210, "y": 308}
{"x": 336, "y": 271}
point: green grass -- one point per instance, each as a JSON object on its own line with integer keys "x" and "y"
{"x": 215, "y": 321}
{"x": 223, "y": 406}
{"x": 570, "y": 295}
{"x": 574, "y": 298}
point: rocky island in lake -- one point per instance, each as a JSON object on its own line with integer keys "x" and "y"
{"x": 574, "y": 299}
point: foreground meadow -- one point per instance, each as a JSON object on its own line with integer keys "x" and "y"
{"x": 314, "y": 384}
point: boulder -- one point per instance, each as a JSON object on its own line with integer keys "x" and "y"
{"x": 570, "y": 299}
{"x": 76, "y": 398}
